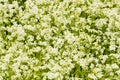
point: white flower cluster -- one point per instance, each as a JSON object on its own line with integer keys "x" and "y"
{"x": 59, "y": 39}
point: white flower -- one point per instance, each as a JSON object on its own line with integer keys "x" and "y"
{"x": 108, "y": 67}
{"x": 112, "y": 47}
{"x": 75, "y": 57}
{"x": 62, "y": 62}
{"x": 29, "y": 27}
{"x": 92, "y": 76}
{"x": 111, "y": 73}
{"x": 15, "y": 66}
{"x": 90, "y": 59}
{"x": 7, "y": 57}
{"x": 53, "y": 50}
{"x": 17, "y": 75}
{"x": 46, "y": 18}
{"x": 69, "y": 37}
{"x": 99, "y": 75}
{"x": 100, "y": 23}
{"x": 59, "y": 43}
{"x": 1, "y": 78}
{"x": 34, "y": 10}
{"x": 83, "y": 63}
{"x": 20, "y": 30}
{"x": 104, "y": 58}
{"x": 3, "y": 66}
{"x": 107, "y": 79}
{"x": 21, "y": 33}
{"x": 115, "y": 55}
{"x": 92, "y": 65}
{"x": 47, "y": 57}
{"x": 1, "y": 38}
{"x": 56, "y": 68}
{"x": 52, "y": 75}
{"x": 44, "y": 24}
{"x": 96, "y": 60}
{"x": 96, "y": 70}
{"x": 42, "y": 43}
{"x": 36, "y": 49}
{"x": 30, "y": 38}
{"x": 115, "y": 66}
{"x": 118, "y": 72}
{"x": 24, "y": 67}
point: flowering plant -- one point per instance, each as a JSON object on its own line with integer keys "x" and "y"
{"x": 59, "y": 39}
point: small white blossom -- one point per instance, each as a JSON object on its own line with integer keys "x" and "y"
{"x": 115, "y": 66}
{"x": 53, "y": 75}
{"x": 92, "y": 76}
{"x": 99, "y": 75}
{"x": 112, "y": 47}
{"x": 118, "y": 72}
{"x": 96, "y": 70}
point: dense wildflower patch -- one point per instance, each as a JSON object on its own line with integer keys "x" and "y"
{"x": 59, "y": 39}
